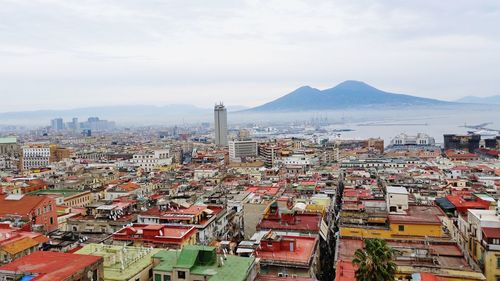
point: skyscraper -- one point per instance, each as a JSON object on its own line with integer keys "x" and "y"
{"x": 57, "y": 124}
{"x": 220, "y": 115}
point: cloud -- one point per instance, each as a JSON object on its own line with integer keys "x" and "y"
{"x": 70, "y": 53}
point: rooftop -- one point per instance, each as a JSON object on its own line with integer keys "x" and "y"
{"x": 50, "y": 266}
{"x": 419, "y": 215}
{"x": 202, "y": 260}
{"x": 135, "y": 259}
{"x": 8, "y": 140}
{"x": 299, "y": 254}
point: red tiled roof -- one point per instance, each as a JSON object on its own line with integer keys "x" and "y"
{"x": 22, "y": 206}
{"x": 51, "y": 265}
{"x": 491, "y": 232}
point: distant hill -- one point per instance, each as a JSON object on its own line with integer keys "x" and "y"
{"x": 484, "y": 100}
{"x": 130, "y": 114}
{"x": 347, "y": 94}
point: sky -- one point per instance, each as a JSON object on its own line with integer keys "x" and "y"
{"x": 59, "y": 54}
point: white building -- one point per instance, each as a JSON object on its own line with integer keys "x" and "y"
{"x": 397, "y": 199}
{"x": 37, "y": 156}
{"x": 149, "y": 160}
{"x": 220, "y": 117}
{"x": 239, "y": 150}
{"x": 420, "y": 139}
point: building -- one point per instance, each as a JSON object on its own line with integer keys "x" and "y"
{"x": 152, "y": 159}
{"x": 16, "y": 243}
{"x": 9, "y": 146}
{"x": 57, "y": 124}
{"x": 58, "y": 154}
{"x": 420, "y": 139}
{"x": 54, "y": 266}
{"x": 209, "y": 220}
{"x": 220, "y": 116}
{"x": 468, "y": 143}
{"x": 35, "y": 156}
{"x": 286, "y": 255}
{"x": 203, "y": 263}
{"x": 480, "y": 231}
{"x": 123, "y": 263}
{"x": 269, "y": 153}
{"x": 441, "y": 260}
{"x": 240, "y": 151}
{"x": 38, "y": 212}
{"x": 69, "y": 197}
{"x": 157, "y": 235}
{"x": 283, "y": 219}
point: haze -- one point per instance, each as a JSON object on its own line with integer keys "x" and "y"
{"x": 65, "y": 54}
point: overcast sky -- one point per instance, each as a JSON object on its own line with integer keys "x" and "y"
{"x": 73, "y": 53}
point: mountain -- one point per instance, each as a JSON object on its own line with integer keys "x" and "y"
{"x": 484, "y": 100}
{"x": 344, "y": 95}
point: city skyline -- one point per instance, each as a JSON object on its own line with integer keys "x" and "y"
{"x": 245, "y": 53}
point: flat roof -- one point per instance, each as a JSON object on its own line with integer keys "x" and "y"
{"x": 234, "y": 268}
{"x": 8, "y": 140}
{"x": 418, "y": 215}
{"x": 448, "y": 255}
{"x": 51, "y": 265}
{"x": 132, "y": 264}
{"x": 304, "y": 249}
{"x": 397, "y": 189}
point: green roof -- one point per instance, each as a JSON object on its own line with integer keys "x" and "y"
{"x": 202, "y": 260}
{"x": 8, "y": 140}
{"x": 64, "y": 192}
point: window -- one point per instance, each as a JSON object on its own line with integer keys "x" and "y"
{"x": 181, "y": 275}
{"x": 157, "y": 277}
{"x": 51, "y": 220}
{"x": 166, "y": 278}
{"x": 498, "y": 262}
{"x": 401, "y": 227}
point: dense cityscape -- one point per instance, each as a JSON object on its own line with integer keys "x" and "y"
{"x": 249, "y": 140}
{"x": 96, "y": 201}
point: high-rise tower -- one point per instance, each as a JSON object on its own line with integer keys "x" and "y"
{"x": 220, "y": 116}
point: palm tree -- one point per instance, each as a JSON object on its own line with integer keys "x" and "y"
{"x": 375, "y": 261}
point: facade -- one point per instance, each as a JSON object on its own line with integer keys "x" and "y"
{"x": 468, "y": 143}
{"x": 9, "y": 146}
{"x": 16, "y": 243}
{"x": 239, "y": 151}
{"x": 420, "y": 139}
{"x": 35, "y": 156}
{"x": 57, "y": 124}
{"x": 220, "y": 116}
{"x": 203, "y": 263}
{"x": 153, "y": 159}
{"x": 52, "y": 266}
{"x": 481, "y": 235}
{"x": 123, "y": 263}
{"x": 39, "y": 212}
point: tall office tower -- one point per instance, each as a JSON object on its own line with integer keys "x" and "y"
{"x": 220, "y": 115}
{"x": 75, "y": 124}
{"x": 57, "y": 124}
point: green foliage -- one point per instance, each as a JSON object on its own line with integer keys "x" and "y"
{"x": 375, "y": 261}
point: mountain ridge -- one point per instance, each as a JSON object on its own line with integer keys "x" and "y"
{"x": 350, "y": 93}
{"x": 495, "y": 99}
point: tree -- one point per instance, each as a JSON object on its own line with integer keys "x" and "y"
{"x": 375, "y": 261}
